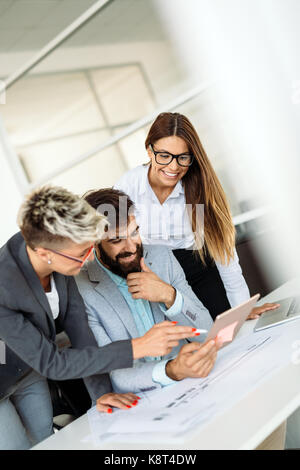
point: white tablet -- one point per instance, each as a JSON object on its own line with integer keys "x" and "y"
{"x": 227, "y": 324}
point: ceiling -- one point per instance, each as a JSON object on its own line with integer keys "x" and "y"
{"x": 31, "y": 24}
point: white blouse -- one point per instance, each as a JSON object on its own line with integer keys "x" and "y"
{"x": 53, "y": 298}
{"x": 168, "y": 224}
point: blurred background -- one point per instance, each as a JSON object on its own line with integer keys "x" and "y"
{"x": 83, "y": 81}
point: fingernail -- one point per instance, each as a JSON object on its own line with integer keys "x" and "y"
{"x": 174, "y": 322}
{"x": 139, "y": 398}
{"x": 128, "y": 406}
{"x": 134, "y": 403}
{"x": 197, "y": 334}
{"x": 194, "y": 329}
{"x": 109, "y": 410}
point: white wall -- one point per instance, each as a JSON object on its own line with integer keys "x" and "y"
{"x": 166, "y": 81}
{"x": 10, "y": 197}
{"x": 157, "y": 58}
{"x": 161, "y": 74}
{"x": 250, "y": 48}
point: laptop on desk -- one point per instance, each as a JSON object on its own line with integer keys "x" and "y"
{"x": 289, "y": 310}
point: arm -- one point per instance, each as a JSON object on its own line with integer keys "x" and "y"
{"x": 39, "y": 352}
{"x": 193, "y": 311}
{"x": 135, "y": 379}
{"x": 236, "y": 288}
{"x": 76, "y": 326}
{"x": 174, "y": 296}
{"x": 234, "y": 282}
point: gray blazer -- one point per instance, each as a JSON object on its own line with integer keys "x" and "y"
{"x": 28, "y": 329}
{"x": 110, "y": 317}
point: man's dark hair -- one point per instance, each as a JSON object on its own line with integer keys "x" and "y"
{"x": 115, "y": 205}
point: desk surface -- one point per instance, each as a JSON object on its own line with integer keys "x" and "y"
{"x": 244, "y": 426}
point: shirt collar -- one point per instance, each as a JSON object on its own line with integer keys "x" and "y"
{"x": 144, "y": 180}
{"x": 179, "y": 189}
{"x": 118, "y": 280}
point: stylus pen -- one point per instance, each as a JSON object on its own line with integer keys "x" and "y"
{"x": 201, "y": 331}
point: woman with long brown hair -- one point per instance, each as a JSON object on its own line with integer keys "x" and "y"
{"x": 180, "y": 203}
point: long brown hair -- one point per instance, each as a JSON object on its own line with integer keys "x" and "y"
{"x": 201, "y": 186}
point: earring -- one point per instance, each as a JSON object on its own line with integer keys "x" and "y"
{"x": 49, "y": 261}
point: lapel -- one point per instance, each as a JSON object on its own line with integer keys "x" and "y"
{"x": 158, "y": 315}
{"x": 110, "y": 292}
{"x": 33, "y": 281}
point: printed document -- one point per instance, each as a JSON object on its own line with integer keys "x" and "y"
{"x": 176, "y": 410}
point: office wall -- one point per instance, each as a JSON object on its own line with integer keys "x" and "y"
{"x": 162, "y": 77}
{"x": 206, "y": 41}
{"x": 10, "y": 196}
{"x": 249, "y": 49}
{"x": 166, "y": 77}
{"x": 33, "y": 111}
{"x": 157, "y": 57}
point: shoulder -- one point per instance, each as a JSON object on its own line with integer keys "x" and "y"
{"x": 12, "y": 244}
{"x": 83, "y": 282}
{"x": 12, "y": 277}
{"x": 159, "y": 254}
{"x": 92, "y": 281}
{"x": 161, "y": 260}
{"x": 8, "y": 262}
{"x": 131, "y": 179}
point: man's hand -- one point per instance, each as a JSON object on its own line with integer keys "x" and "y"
{"x": 193, "y": 360}
{"x": 147, "y": 285}
{"x": 124, "y": 401}
{"x": 256, "y": 311}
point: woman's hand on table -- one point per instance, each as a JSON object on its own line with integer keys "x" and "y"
{"x": 257, "y": 311}
{"x": 124, "y": 401}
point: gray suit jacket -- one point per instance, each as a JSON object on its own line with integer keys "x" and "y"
{"x": 110, "y": 318}
{"x": 28, "y": 329}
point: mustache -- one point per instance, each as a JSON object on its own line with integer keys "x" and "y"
{"x": 125, "y": 255}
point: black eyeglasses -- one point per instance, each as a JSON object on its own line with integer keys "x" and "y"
{"x": 165, "y": 158}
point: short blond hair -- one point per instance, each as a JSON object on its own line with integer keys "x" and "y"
{"x": 52, "y": 215}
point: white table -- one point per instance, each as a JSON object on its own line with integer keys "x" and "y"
{"x": 244, "y": 426}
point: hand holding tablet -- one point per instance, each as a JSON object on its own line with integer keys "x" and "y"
{"x": 227, "y": 325}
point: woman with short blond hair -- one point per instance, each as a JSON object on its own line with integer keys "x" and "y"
{"x": 39, "y": 298}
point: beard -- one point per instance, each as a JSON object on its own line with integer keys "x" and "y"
{"x": 116, "y": 267}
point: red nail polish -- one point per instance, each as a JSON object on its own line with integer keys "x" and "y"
{"x": 139, "y": 398}
{"x": 174, "y": 322}
{"x": 109, "y": 410}
{"x": 194, "y": 329}
{"x": 128, "y": 406}
{"x": 197, "y": 334}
